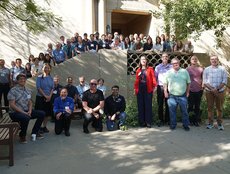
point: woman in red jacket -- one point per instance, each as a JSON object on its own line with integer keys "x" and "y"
{"x": 144, "y": 87}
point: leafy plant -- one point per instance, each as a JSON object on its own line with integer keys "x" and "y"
{"x": 132, "y": 112}
{"x": 195, "y": 16}
{"x": 36, "y": 18}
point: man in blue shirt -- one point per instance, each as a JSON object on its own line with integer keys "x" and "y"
{"x": 160, "y": 73}
{"x": 63, "y": 108}
{"x": 59, "y": 55}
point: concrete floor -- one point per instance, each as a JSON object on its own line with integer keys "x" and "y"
{"x": 135, "y": 151}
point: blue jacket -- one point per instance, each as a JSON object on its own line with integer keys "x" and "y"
{"x": 59, "y": 104}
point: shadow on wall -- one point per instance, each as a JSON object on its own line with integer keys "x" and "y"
{"x": 18, "y": 41}
{"x": 207, "y": 42}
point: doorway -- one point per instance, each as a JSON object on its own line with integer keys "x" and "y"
{"x": 130, "y": 22}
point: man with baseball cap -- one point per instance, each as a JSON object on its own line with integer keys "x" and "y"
{"x": 21, "y": 108}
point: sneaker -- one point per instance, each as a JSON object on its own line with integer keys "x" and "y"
{"x": 148, "y": 126}
{"x": 172, "y": 127}
{"x": 22, "y": 140}
{"x": 67, "y": 133}
{"x": 209, "y": 126}
{"x": 85, "y": 130}
{"x": 45, "y": 130}
{"x": 186, "y": 128}
{"x": 220, "y": 127}
{"x": 39, "y": 136}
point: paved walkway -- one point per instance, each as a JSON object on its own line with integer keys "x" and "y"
{"x": 136, "y": 151}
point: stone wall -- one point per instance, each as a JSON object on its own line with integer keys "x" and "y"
{"x": 107, "y": 64}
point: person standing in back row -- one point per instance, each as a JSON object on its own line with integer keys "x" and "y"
{"x": 214, "y": 80}
{"x": 4, "y": 82}
{"x": 196, "y": 90}
{"x": 160, "y": 73}
{"x": 144, "y": 86}
{"x": 45, "y": 86}
{"x": 176, "y": 89}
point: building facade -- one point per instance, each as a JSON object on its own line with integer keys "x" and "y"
{"x": 88, "y": 16}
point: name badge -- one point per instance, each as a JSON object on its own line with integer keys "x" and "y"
{"x": 92, "y": 45}
{"x": 55, "y": 92}
{"x": 2, "y": 75}
{"x": 139, "y": 73}
{"x": 28, "y": 96}
{"x": 103, "y": 45}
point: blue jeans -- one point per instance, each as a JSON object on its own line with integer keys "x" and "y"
{"x": 173, "y": 102}
{"x": 24, "y": 119}
{"x": 111, "y": 123}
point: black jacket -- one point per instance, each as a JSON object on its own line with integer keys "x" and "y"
{"x": 114, "y": 104}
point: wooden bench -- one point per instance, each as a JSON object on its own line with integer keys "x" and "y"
{"x": 8, "y": 131}
{"x": 3, "y": 108}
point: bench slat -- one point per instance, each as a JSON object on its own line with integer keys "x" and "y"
{"x": 4, "y": 133}
{"x": 8, "y": 131}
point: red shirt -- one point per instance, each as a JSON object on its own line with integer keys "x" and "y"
{"x": 150, "y": 80}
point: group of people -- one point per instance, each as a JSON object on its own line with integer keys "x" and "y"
{"x": 181, "y": 87}
{"x": 67, "y": 48}
{"x": 59, "y": 102}
{"x": 174, "y": 86}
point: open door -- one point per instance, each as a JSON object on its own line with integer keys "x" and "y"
{"x": 130, "y": 22}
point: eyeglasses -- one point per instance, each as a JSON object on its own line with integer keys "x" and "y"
{"x": 93, "y": 84}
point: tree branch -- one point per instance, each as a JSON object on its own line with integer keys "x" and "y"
{"x": 24, "y": 20}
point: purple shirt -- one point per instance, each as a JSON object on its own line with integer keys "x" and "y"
{"x": 195, "y": 74}
{"x": 160, "y": 72}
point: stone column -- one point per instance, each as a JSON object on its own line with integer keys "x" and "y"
{"x": 101, "y": 16}
{"x": 89, "y": 16}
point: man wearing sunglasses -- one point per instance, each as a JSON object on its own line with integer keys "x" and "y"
{"x": 93, "y": 101}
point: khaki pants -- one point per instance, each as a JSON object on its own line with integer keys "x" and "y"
{"x": 216, "y": 100}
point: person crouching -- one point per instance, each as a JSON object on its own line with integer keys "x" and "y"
{"x": 63, "y": 108}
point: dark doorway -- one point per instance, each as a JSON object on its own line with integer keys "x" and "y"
{"x": 129, "y": 22}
